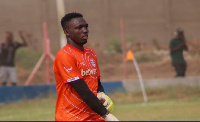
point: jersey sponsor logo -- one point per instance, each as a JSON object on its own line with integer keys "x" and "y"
{"x": 73, "y": 79}
{"x": 93, "y": 62}
{"x": 68, "y": 70}
{"x": 88, "y": 72}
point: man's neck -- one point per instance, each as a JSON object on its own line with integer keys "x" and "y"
{"x": 75, "y": 45}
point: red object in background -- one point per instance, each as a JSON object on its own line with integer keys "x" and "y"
{"x": 123, "y": 46}
{"x": 45, "y": 56}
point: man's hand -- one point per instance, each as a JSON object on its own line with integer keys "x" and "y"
{"x": 111, "y": 117}
{"x": 106, "y": 101}
{"x": 21, "y": 34}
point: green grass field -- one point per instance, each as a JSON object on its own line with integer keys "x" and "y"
{"x": 172, "y": 103}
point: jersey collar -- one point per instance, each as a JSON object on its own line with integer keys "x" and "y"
{"x": 75, "y": 48}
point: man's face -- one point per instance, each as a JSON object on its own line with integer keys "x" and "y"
{"x": 180, "y": 35}
{"x": 77, "y": 30}
{"x": 9, "y": 37}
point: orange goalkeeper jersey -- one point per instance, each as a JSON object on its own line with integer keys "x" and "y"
{"x": 70, "y": 65}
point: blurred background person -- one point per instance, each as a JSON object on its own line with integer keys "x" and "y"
{"x": 177, "y": 45}
{"x": 8, "y": 51}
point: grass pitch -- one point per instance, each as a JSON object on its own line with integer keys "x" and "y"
{"x": 172, "y": 103}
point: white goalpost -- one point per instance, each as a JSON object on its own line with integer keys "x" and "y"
{"x": 60, "y": 13}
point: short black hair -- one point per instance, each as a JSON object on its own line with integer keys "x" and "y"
{"x": 68, "y": 17}
{"x": 179, "y": 31}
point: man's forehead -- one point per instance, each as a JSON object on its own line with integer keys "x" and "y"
{"x": 77, "y": 21}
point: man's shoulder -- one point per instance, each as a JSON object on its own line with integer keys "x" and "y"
{"x": 17, "y": 44}
{"x": 174, "y": 40}
{"x": 64, "y": 52}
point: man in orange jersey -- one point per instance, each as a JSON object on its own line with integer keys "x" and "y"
{"x": 77, "y": 76}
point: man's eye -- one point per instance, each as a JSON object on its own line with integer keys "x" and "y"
{"x": 79, "y": 27}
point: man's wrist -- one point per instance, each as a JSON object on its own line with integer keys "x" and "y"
{"x": 110, "y": 117}
{"x": 107, "y": 113}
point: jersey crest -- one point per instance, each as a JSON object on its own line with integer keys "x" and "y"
{"x": 92, "y": 62}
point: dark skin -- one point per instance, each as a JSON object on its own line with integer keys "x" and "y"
{"x": 183, "y": 44}
{"x": 77, "y": 32}
{"x": 9, "y": 39}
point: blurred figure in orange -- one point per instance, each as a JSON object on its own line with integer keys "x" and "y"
{"x": 8, "y": 50}
{"x": 177, "y": 45}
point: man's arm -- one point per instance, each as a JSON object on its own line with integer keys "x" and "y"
{"x": 91, "y": 100}
{"x": 23, "y": 39}
{"x": 172, "y": 50}
{"x": 88, "y": 97}
{"x": 100, "y": 87}
{"x": 182, "y": 45}
{"x": 185, "y": 45}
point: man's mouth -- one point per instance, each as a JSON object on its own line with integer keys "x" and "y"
{"x": 85, "y": 37}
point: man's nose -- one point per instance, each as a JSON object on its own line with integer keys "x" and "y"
{"x": 85, "y": 29}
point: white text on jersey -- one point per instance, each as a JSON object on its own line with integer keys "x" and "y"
{"x": 88, "y": 72}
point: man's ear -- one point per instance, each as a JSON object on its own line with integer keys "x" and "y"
{"x": 66, "y": 33}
